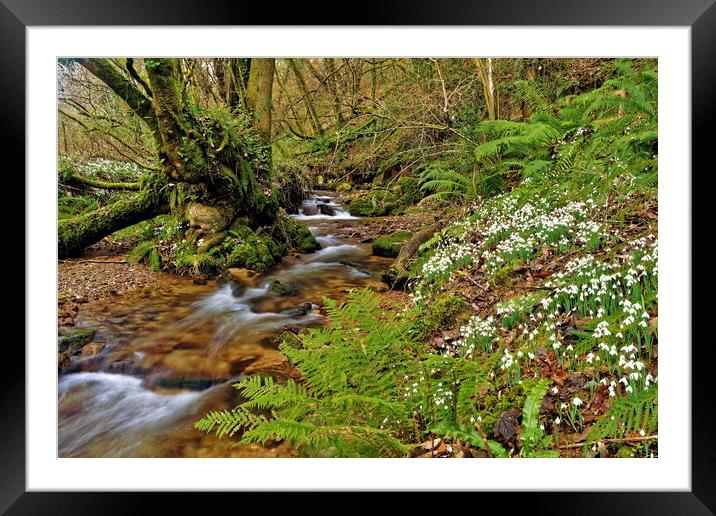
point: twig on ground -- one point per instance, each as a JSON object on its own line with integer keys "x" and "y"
{"x": 620, "y": 440}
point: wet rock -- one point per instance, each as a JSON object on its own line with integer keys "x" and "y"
{"x": 304, "y": 309}
{"x": 63, "y": 361}
{"x": 92, "y": 349}
{"x": 72, "y": 339}
{"x": 327, "y": 209}
{"x": 240, "y": 274}
{"x": 125, "y": 367}
{"x": 300, "y": 310}
{"x": 293, "y": 328}
{"x": 310, "y": 210}
{"x": 238, "y": 366}
{"x": 199, "y": 281}
{"x": 282, "y": 289}
{"x": 192, "y": 384}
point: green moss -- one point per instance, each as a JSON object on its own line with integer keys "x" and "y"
{"x": 282, "y": 289}
{"x": 442, "y": 313}
{"x": 73, "y": 339}
{"x": 289, "y": 232}
{"x": 494, "y": 403}
{"x": 374, "y": 203}
{"x": 344, "y": 187}
{"x": 140, "y": 251}
{"x": 247, "y": 249}
{"x": 410, "y": 190}
{"x": 390, "y": 245}
{"x": 624, "y": 452}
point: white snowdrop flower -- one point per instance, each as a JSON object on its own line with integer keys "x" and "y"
{"x": 642, "y": 432}
{"x": 555, "y": 390}
{"x": 629, "y": 389}
{"x": 541, "y": 427}
{"x": 576, "y": 401}
{"x": 557, "y": 421}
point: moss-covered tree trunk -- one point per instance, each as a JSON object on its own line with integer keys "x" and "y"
{"x": 258, "y": 95}
{"x": 74, "y": 235}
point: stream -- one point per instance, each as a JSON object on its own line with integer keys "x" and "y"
{"x": 171, "y": 352}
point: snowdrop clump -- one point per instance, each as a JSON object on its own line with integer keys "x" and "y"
{"x": 477, "y": 333}
{"x": 111, "y": 167}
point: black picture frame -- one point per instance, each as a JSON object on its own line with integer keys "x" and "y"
{"x": 699, "y": 15}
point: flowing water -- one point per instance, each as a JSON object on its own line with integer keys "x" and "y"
{"x": 171, "y": 353}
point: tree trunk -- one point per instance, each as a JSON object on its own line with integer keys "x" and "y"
{"x": 75, "y": 234}
{"x": 485, "y": 71}
{"x": 258, "y": 95}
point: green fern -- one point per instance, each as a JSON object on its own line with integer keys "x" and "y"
{"x": 628, "y": 414}
{"x": 534, "y": 442}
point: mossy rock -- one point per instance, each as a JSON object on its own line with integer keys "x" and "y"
{"x": 240, "y": 248}
{"x": 374, "y": 203}
{"x": 293, "y": 233}
{"x": 442, "y": 313}
{"x": 73, "y": 339}
{"x": 344, "y": 187}
{"x": 283, "y": 289}
{"x": 389, "y": 246}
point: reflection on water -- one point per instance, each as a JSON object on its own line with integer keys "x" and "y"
{"x": 171, "y": 352}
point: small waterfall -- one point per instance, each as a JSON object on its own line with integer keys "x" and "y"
{"x": 322, "y": 207}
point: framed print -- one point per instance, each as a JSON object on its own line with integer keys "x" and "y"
{"x": 299, "y": 257}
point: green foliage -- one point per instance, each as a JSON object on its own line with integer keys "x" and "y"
{"x": 447, "y": 183}
{"x": 442, "y": 312}
{"x": 390, "y": 245}
{"x": 374, "y": 203}
{"x": 627, "y": 415}
{"x": 140, "y": 251}
{"x": 470, "y": 436}
{"x": 534, "y": 442}
{"x": 69, "y": 206}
